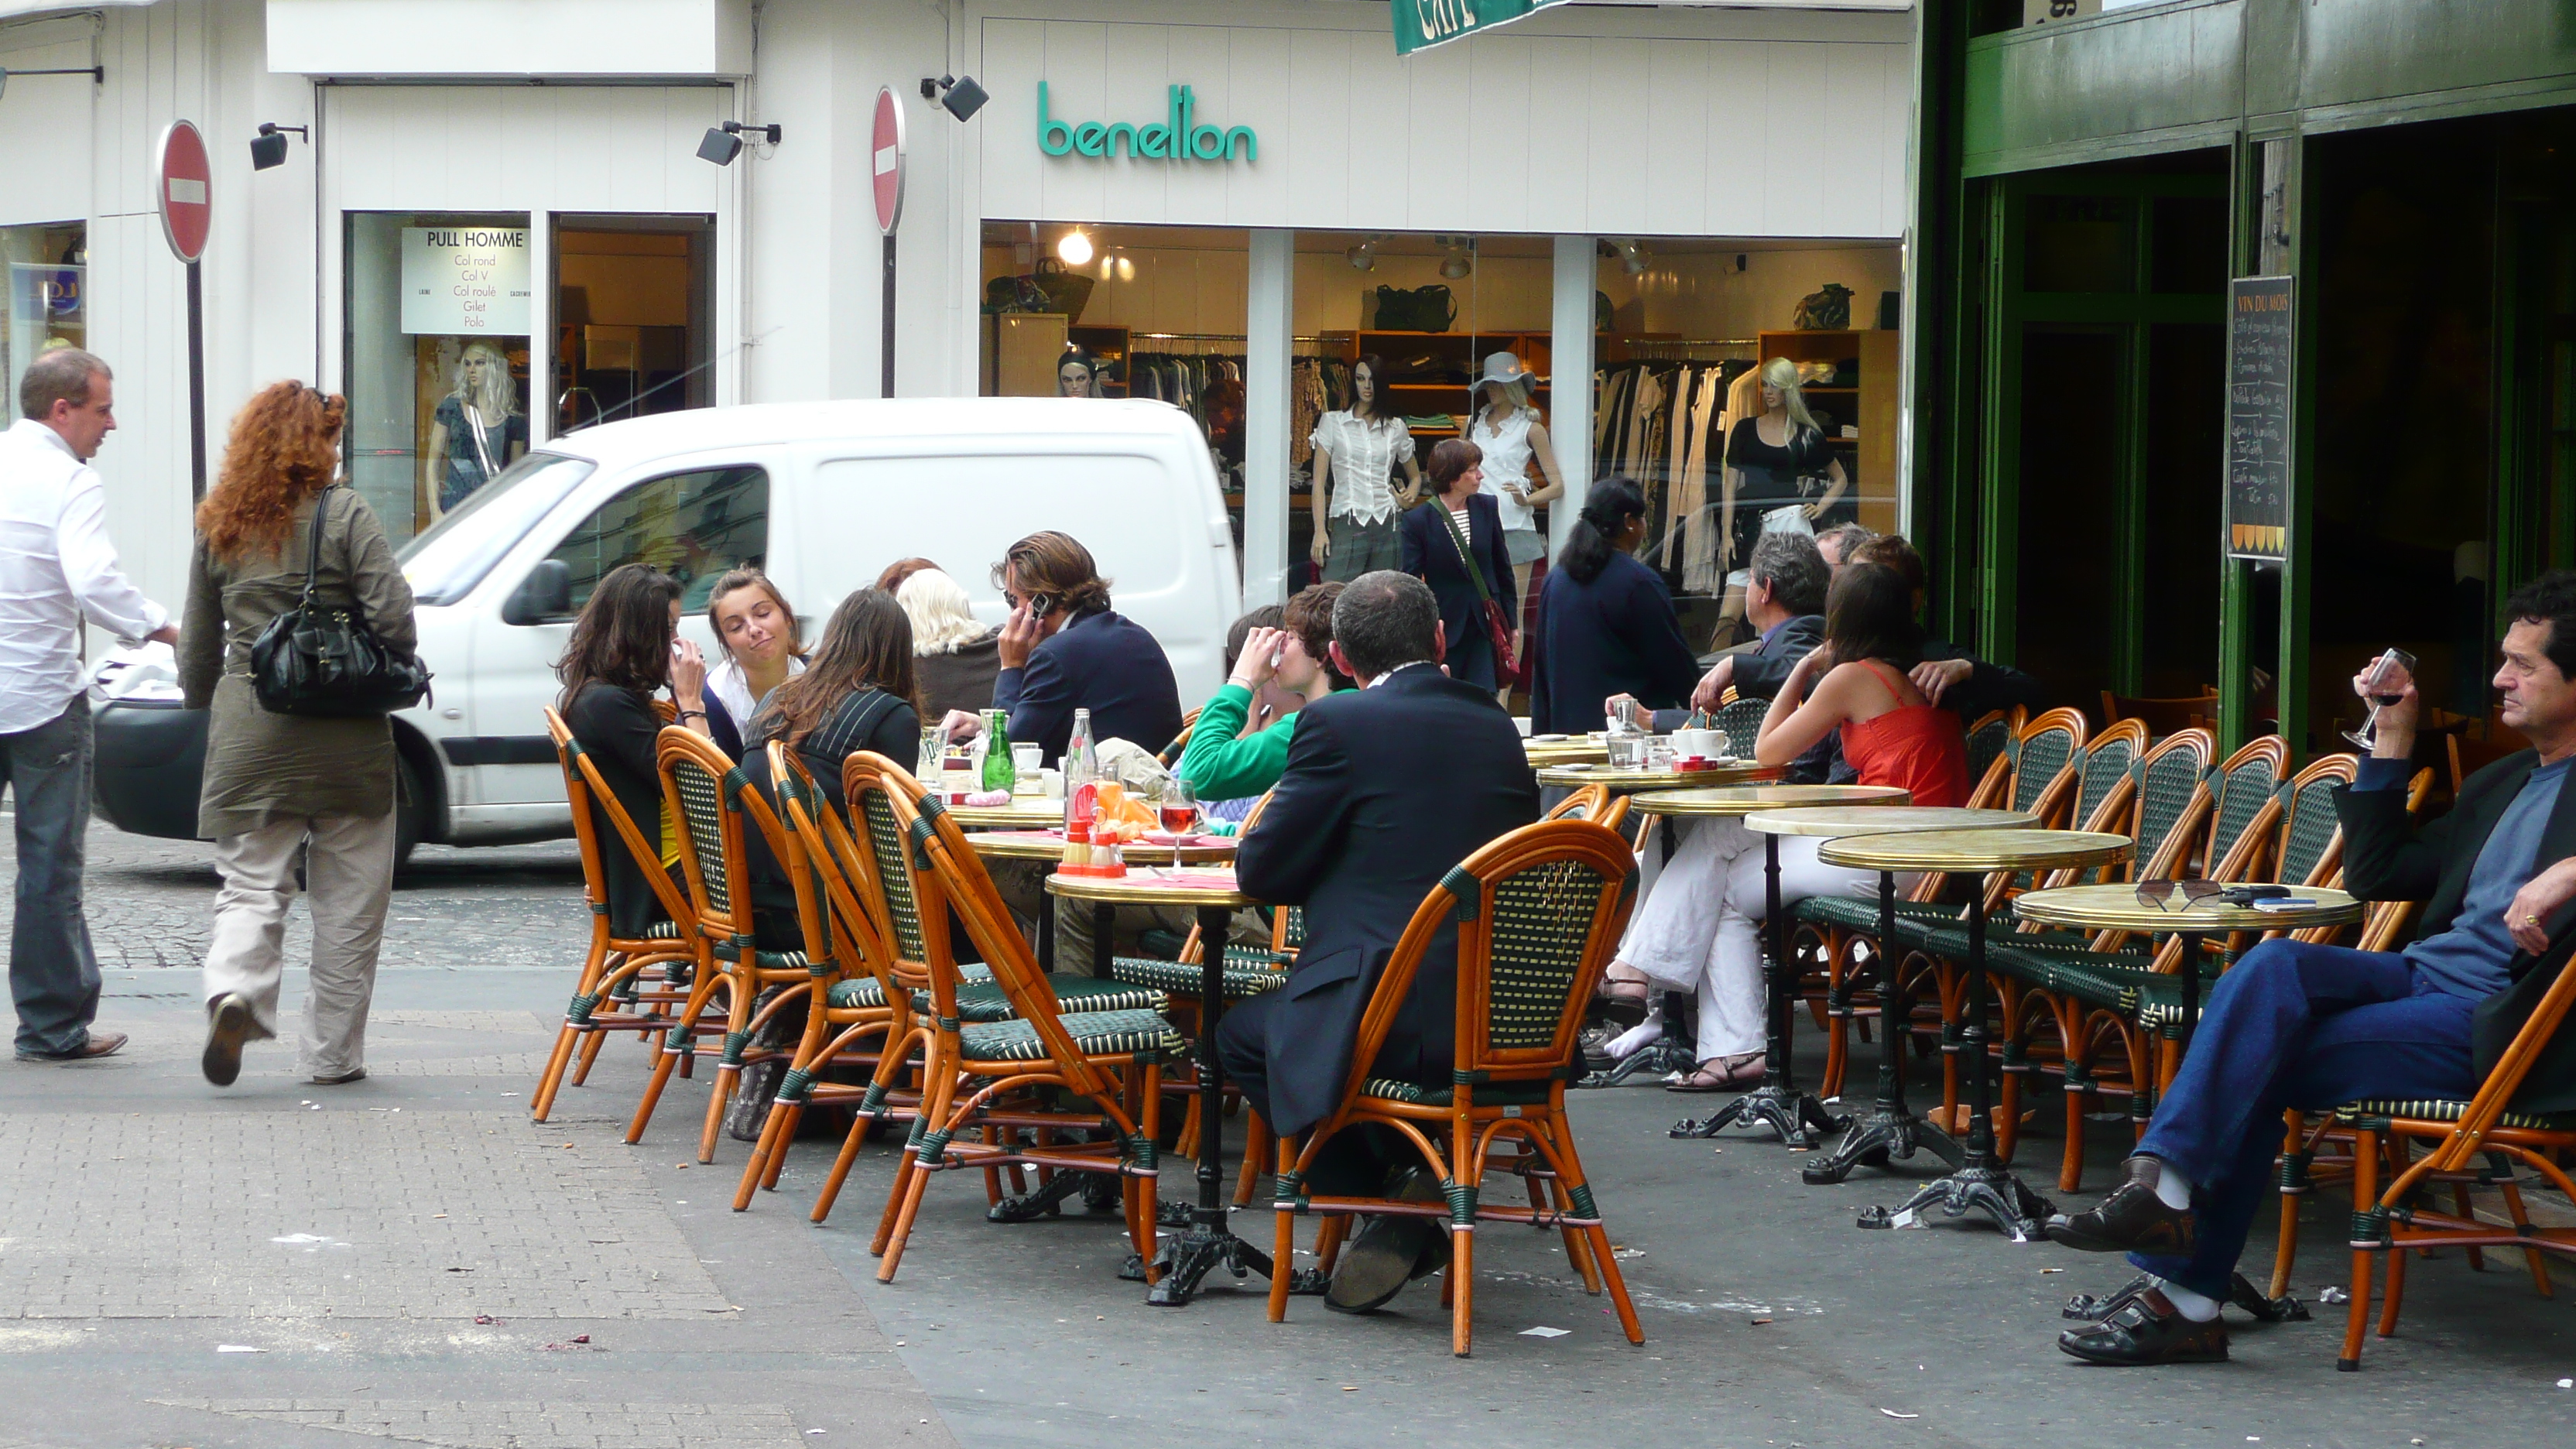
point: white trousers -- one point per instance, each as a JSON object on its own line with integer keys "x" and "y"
{"x": 1699, "y": 926}
{"x": 351, "y": 874}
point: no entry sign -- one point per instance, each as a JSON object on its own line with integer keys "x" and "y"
{"x": 186, "y": 184}
{"x": 887, "y": 151}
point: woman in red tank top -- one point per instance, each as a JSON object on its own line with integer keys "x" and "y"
{"x": 1891, "y": 734}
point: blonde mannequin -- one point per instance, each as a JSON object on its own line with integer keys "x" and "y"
{"x": 478, "y": 430}
{"x": 1781, "y": 472}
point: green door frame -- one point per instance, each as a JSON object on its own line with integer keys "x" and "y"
{"x": 2007, "y": 310}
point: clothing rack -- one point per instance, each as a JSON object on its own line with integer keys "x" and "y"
{"x": 1690, "y": 348}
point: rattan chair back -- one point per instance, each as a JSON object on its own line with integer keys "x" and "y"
{"x": 915, "y": 935}
{"x": 1741, "y": 719}
{"x": 587, "y": 791}
{"x": 709, "y": 798}
{"x": 1584, "y": 804}
{"x": 825, "y": 852}
{"x": 2240, "y": 792}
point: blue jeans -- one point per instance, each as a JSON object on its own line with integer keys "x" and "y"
{"x": 52, "y": 973}
{"x": 2293, "y": 1025}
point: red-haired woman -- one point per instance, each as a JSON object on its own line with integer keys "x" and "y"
{"x": 273, "y": 781}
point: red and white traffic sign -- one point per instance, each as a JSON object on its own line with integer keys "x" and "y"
{"x": 186, "y": 182}
{"x": 887, "y": 149}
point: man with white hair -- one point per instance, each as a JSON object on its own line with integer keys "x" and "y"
{"x": 56, "y": 566}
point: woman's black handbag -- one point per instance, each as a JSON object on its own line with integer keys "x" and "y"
{"x": 313, "y": 660}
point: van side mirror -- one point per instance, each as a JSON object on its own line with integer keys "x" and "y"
{"x": 544, "y": 596}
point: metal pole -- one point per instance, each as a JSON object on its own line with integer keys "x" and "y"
{"x": 196, "y": 383}
{"x": 885, "y": 373}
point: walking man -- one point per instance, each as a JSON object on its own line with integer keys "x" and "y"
{"x": 56, "y": 565}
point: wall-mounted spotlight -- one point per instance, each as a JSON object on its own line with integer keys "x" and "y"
{"x": 963, "y": 99}
{"x": 268, "y": 148}
{"x": 1457, "y": 264}
{"x": 723, "y": 143}
{"x": 1363, "y": 258}
{"x": 1073, "y": 248}
{"x": 1632, "y": 256}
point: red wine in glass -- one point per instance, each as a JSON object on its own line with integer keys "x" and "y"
{"x": 1177, "y": 819}
{"x": 2392, "y": 667}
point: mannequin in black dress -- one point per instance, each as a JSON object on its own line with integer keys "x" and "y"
{"x": 1780, "y": 474}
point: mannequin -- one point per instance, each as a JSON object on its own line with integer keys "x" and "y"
{"x": 1355, "y": 532}
{"x": 1780, "y": 476}
{"x": 477, "y": 431}
{"x": 1075, "y": 376}
{"x": 1514, "y": 441}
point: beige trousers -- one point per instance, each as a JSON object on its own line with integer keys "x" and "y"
{"x": 351, "y": 876}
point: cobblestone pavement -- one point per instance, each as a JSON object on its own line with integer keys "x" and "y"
{"x": 276, "y": 1266}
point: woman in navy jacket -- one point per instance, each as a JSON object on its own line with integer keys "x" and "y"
{"x": 1431, "y": 555}
{"x": 1606, "y": 624}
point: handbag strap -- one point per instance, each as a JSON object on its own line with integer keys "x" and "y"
{"x": 1475, "y": 575}
{"x": 313, "y": 548}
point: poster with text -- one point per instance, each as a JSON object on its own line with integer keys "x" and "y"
{"x": 465, "y": 280}
{"x": 2260, "y": 334}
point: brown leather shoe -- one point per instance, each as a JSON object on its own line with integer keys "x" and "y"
{"x": 2148, "y": 1330}
{"x": 100, "y": 1044}
{"x": 2131, "y": 1220}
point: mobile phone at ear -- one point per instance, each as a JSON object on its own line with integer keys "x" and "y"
{"x": 1041, "y": 605}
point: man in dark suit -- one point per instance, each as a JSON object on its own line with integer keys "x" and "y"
{"x": 1387, "y": 787}
{"x": 2296, "y": 1025}
{"x": 1065, "y": 649}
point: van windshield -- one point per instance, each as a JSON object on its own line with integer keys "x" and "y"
{"x": 446, "y": 563}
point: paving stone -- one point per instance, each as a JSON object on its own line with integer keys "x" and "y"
{"x": 470, "y": 1424}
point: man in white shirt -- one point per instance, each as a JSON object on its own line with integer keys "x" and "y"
{"x": 56, "y": 565}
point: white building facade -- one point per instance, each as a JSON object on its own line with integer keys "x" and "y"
{"x": 494, "y": 225}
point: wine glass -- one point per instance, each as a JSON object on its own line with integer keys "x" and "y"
{"x": 1179, "y": 810}
{"x": 2382, "y": 684}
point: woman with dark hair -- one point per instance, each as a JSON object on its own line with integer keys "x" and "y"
{"x": 1606, "y": 625}
{"x": 857, "y": 694}
{"x": 624, "y": 650}
{"x": 1700, "y": 924}
{"x": 1360, "y": 447}
{"x": 1454, "y": 543}
{"x": 1234, "y": 753}
{"x": 756, "y": 630}
{"x": 275, "y": 781}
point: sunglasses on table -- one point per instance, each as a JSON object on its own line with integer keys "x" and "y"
{"x": 2178, "y": 895}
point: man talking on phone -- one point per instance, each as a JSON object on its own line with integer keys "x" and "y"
{"x": 2300, "y": 1025}
{"x": 1065, "y": 649}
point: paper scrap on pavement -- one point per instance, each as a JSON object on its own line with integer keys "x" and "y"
{"x": 1545, "y": 1332}
{"x": 237, "y": 1348}
{"x": 1891, "y": 1413}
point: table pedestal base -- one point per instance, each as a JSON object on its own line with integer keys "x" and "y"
{"x": 1991, "y": 1190}
{"x": 1798, "y": 1117}
{"x": 1874, "y": 1141}
{"x": 1099, "y": 1194}
{"x": 1672, "y": 1052}
{"x": 1207, "y": 1246}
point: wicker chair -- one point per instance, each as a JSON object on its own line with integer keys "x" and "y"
{"x": 1741, "y": 719}
{"x": 1170, "y": 754}
{"x": 2478, "y": 1141}
{"x": 1538, "y": 914}
{"x": 631, "y": 972}
{"x": 984, "y": 1083}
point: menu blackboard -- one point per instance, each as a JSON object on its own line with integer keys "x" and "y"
{"x": 2260, "y": 332}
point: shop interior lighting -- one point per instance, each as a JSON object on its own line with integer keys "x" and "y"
{"x": 1363, "y": 258}
{"x": 1117, "y": 266}
{"x": 723, "y": 143}
{"x": 1457, "y": 265}
{"x": 268, "y": 148}
{"x": 963, "y": 97}
{"x": 1632, "y": 256}
{"x": 1073, "y": 248}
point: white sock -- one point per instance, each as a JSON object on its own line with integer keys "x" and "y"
{"x": 1644, "y": 1034}
{"x": 2172, "y": 1188}
{"x": 2190, "y": 1305}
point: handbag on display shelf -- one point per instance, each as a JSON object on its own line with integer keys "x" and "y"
{"x": 1414, "y": 309}
{"x": 1827, "y": 309}
{"x": 313, "y": 660}
{"x": 1498, "y": 627}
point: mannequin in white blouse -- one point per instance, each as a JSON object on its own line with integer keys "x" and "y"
{"x": 1356, "y": 532}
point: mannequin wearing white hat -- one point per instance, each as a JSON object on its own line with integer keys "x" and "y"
{"x": 1515, "y": 442}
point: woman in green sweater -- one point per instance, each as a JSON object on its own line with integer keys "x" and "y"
{"x": 1294, "y": 662}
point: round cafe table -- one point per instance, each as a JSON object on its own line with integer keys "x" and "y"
{"x": 2118, "y": 908}
{"x": 1208, "y": 1242}
{"x": 1890, "y": 1130}
{"x": 1777, "y": 1104}
{"x": 1629, "y": 782}
{"x": 1049, "y": 845}
{"x": 1980, "y": 1181}
{"x": 1566, "y": 750}
{"x": 1025, "y": 812}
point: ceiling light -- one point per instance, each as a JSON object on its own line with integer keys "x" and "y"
{"x": 1074, "y": 249}
{"x": 1363, "y": 257}
{"x": 1632, "y": 256}
{"x": 1456, "y": 265}
{"x": 1126, "y": 267}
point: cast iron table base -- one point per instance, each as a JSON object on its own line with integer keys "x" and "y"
{"x": 1798, "y": 1118}
{"x": 1891, "y": 1131}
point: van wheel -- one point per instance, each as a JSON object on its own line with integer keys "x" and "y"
{"x": 411, "y": 810}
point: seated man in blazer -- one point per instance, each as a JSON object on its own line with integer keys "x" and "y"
{"x": 1387, "y": 787}
{"x": 1064, "y": 649}
{"x": 2296, "y": 1025}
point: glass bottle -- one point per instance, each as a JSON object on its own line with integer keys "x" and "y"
{"x": 1081, "y": 769}
{"x": 998, "y": 771}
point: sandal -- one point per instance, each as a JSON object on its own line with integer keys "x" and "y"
{"x": 1722, "y": 1074}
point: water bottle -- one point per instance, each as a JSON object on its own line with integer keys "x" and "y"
{"x": 998, "y": 772}
{"x": 1081, "y": 771}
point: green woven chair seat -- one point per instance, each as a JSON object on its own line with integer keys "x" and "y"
{"x": 1493, "y": 1094}
{"x": 1855, "y": 913}
{"x": 1180, "y": 978}
{"x": 985, "y": 1001}
{"x": 1950, "y": 943}
{"x": 765, "y": 960}
{"x": 660, "y": 931}
{"x": 2447, "y": 1110}
{"x": 1142, "y": 1034}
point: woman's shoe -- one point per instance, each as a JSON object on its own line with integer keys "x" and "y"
{"x": 1723, "y": 1074}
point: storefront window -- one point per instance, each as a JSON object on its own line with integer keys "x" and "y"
{"x": 1687, "y": 327}
{"x": 440, "y": 311}
{"x": 46, "y": 298}
{"x": 632, "y": 306}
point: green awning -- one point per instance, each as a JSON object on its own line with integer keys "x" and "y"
{"x": 1422, "y": 24}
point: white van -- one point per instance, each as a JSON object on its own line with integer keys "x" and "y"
{"x": 821, "y": 495}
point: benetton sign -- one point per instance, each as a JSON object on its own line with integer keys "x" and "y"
{"x": 1177, "y": 137}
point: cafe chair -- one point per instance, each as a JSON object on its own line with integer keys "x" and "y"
{"x": 1538, "y": 915}
{"x": 855, "y": 1006}
{"x": 710, "y": 799}
{"x": 2162, "y": 717}
{"x": 1170, "y": 754}
{"x": 2477, "y": 1142}
{"x": 632, "y": 974}
{"x": 1741, "y": 720}
{"x": 1029, "y": 1091}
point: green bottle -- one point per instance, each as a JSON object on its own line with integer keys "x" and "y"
{"x": 999, "y": 774}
